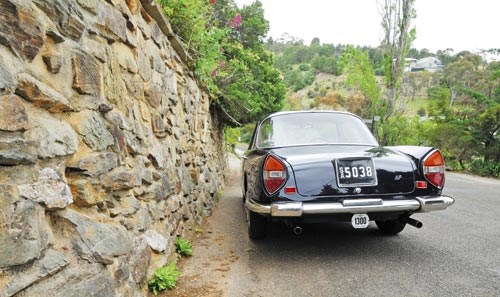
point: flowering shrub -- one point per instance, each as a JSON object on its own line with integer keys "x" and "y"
{"x": 229, "y": 56}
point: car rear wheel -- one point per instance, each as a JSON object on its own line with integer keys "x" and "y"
{"x": 256, "y": 225}
{"x": 391, "y": 227}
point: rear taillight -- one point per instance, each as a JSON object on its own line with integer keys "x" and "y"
{"x": 434, "y": 169}
{"x": 274, "y": 174}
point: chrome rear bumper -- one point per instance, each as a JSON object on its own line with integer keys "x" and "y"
{"x": 298, "y": 209}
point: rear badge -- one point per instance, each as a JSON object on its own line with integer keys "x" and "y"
{"x": 357, "y": 190}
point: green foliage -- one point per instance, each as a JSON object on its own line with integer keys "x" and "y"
{"x": 231, "y": 136}
{"x": 165, "y": 278}
{"x": 484, "y": 167}
{"x": 325, "y": 64}
{"x": 356, "y": 65}
{"x": 183, "y": 247}
{"x": 300, "y": 78}
{"x": 398, "y": 36}
{"x": 304, "y": 67}
{"x": 398, "y": 130}
{"x": 188, "y": 17}
{"x": 229, "y": 55}
{"x": 246, "y": 133}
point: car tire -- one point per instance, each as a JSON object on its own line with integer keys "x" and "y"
{"x": 256, "y": 225}
{"x": 391, "y": 227}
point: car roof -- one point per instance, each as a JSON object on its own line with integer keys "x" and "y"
{"x": 280, "y": 113}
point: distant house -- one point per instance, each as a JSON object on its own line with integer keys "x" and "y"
{"x": 409, "y": 63}
{"x": 430, "y": 64}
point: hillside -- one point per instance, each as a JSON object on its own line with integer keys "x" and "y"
{"x": 314, "y": 77}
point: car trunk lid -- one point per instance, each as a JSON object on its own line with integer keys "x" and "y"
{"x": 315, "y": 170}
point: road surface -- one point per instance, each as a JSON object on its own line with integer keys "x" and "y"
{"x": 456, "y": 253}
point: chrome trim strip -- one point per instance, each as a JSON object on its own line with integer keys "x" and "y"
{"x": 297, "y": 209}
{"x": 386, "y": 206}
{"x": 362, "y": 202}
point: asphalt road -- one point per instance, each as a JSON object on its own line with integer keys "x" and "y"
{"x": 456, "y": 253}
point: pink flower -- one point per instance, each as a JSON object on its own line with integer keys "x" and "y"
{"x": 222, "y": 64}
{"x": 236, "y": 21}
{"x": 213, "y": 73}
{"x": 212, "y": 2}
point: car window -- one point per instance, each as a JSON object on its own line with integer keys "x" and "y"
{"x": 313, "y": 128}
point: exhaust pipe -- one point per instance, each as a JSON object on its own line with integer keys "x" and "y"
{"x": 414, "y": 223}
{"x": 297, "y": 230}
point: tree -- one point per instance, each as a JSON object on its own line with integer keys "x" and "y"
{"x": 396, "y": 20}
{"x": 459, "y": 74}
{"x": 356, "y": 66}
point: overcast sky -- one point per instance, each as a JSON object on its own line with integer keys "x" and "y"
{"x": 440, "y": 24}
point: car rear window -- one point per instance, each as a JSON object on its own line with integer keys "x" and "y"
{"x": 313, "y": 128}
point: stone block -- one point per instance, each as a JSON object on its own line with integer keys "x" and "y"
{"x": 144, "y": 65}
{"x": 125, "y": 57}
{"x": 89, "y": 5}
{"x": 139, "y": 261}
{"x": 126, "y": 206}
{"x": 87, "y": 74}
{"x": 41, "y": 95}
{"x": 158, "y": 126}
{"x": 121, "y": 179}
{"x": 147, "y": 176}
{"x": 23, "y": 228}
{"x": 20, "y": 30}
{"x": 50, "y": 190}
{"x": 90, "y": 125}
{"x": 6, "y": 76}
{"x": 84, "y": 193}
{"x": 51, "y": 263}
{"x": 157, "y": 156}
{"x": 55, "y": 137}
{"x": 154, "y": 10}
{"x": 93, "y": 164}
{"x": 143, "y": 220}
{"x": 134, "y": 6}
{"x": 95, "y": 46}
{"x": 132, "y": 37}
{"x": 135, "y": 85}
{"x": 157, "y": 34}
{"x": 8, "y": 195}
{"x": 157, "y": 242}
{"x": 115, "y": 89}
{"x": 17, "y": 152}
{"x": 66, "y": 14}
{"x": 53, "y": 61}
{"x": 98, "y": 242}
{"x": 154, "y": 95}
{"x": 111, "y": 22}
{"x": 117, "y": 118}
{"x": 13, "y": 115}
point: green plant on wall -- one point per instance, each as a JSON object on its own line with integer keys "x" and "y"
{"x": 229, "y": 56}
{"x": 183, "y": 247}
{"x": 165, "y": 278}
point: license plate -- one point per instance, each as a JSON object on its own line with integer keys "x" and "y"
{"x": 356, "y": 172}
{"x": 360, "y": 221}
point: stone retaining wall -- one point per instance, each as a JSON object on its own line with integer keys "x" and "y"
{"x": 109, "y": 149}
